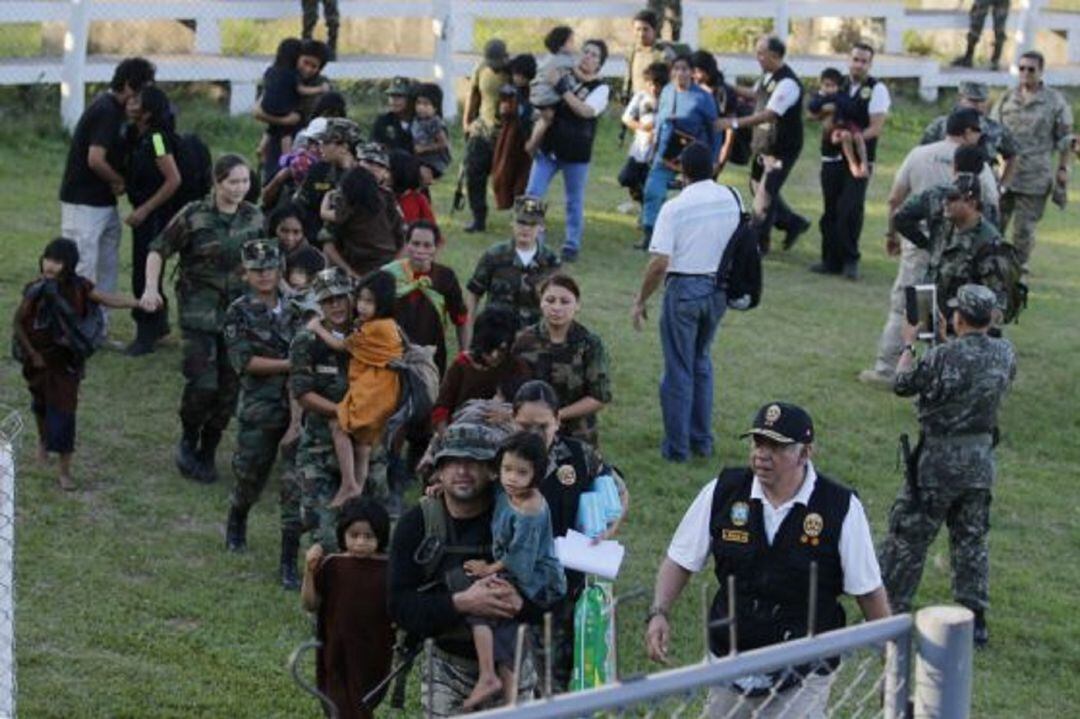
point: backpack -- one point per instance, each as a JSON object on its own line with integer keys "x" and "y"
{"x": 999, "y": 267}
{"x": 82, "y": 335}
{"x": 739, "y": 273}
{"x": 195, "y": 163}
{"x": 419, "y": 386}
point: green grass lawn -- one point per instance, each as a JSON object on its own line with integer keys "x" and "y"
{"x": 128, "y": 605}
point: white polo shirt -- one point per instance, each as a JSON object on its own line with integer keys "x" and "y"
{"x": 690, "y": 547}
{"x": 693, "y": 228}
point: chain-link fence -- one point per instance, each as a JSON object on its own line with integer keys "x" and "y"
{"x": 10, "y": 428}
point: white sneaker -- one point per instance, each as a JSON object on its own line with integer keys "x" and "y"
{"x": 875, "y": 378}
{"x": 628, "y": 208}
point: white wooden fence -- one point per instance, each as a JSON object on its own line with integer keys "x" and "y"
{"x": 452, "y": 24}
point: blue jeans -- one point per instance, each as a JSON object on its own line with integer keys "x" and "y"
{"x": 656, "y": 189}
{"x": 691, "y": 312}
{"x": 575, "y": 175}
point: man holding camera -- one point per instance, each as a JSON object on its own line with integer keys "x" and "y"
{"x": 959, "y": 385}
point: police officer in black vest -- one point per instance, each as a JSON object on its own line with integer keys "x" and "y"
{"x": 776, "y": 142}
{"x": 844, "y": 194}
{"x": 766, "y": 525}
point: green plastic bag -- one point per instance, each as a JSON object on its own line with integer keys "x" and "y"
{"x": 594, "y": 636}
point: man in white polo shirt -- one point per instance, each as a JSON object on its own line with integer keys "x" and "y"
{"x": 766, "y": 524}
{"x": 688, "y": 240}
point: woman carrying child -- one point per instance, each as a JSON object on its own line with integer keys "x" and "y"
{"x": 347, "y": 591}
{"x": 51, "y": 344}
{"x": 524, "y": 550}
{"x": 374, "y": 386}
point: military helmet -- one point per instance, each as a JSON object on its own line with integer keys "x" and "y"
{"x": 261, "y": 254}
{"x": 343, "y": 130}
{"x": 469, "y": 441}
{"x": 529, "y": 209}
{"x": 331, "y": 282}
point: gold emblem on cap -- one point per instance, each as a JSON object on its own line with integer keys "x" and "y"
{"x": 813, "y": 524}
{"x": 772, "y": 414}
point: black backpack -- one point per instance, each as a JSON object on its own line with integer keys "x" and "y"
{"x": 999, "y": 267}
{"x": 196, "y": 169}
{"x": 739, "y": 273}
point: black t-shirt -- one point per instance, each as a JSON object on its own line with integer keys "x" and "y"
{"x": 142, "y": 178}
{"x": 280, "y": 96}
{"x": 391, "y": 132}
{"x": 99, "y": 125}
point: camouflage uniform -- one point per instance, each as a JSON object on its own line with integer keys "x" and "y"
{"x": 952, "y": 253}
{"x": 1041, "y": 124}
{"x": 576, "y": 368}
{"x": 959, "y": 386}
{"x": 208, "y": 242}
{"x": 315, "y": 368}
{"x": 508, "y": 283}
{"x": 996, "y": 139}
{"x": 454, "y": 679}
{"x": 330, "y": 14}
{"x": 979, "y": 11}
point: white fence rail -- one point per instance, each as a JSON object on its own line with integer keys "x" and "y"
{"x": 452, "y": 24}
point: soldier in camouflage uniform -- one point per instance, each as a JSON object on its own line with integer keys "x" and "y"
{"x": 330, "y": 15}
{"x": 979, "y": 10}
{"x": 569, "y": 357}
{"x": 1040, "y": 119}
{"x": 510, "y": 273}
{"x": 959, "y": 386}
{"x": 258, "y": 329}
{"x": 955, "y": 233}
{"x": 339, "y": 141}
{"x": 319, "y": 379}
{"x": 208, "y": 235}
{"x": 995, "y": 140}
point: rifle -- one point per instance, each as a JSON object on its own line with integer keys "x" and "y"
{"x": 910, "y": 459}
{"x": 459, "y": 190}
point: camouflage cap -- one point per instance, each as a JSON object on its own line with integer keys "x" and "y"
{"x": 261, "y": 254}
{"x": 974, "y": 91}
{"x": 331, "y": 282}
{"x": 374, "y": 153}
{"x": 976, "y": 302}
{"x": 401, "y": 86}
{"x": 468, "y": 441}
{"x": 343, "y": 130}
{"x": 529, "y": 209}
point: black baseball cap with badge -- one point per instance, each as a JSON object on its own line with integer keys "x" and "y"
{"x": 331, "y": 282}
{"x": 976, "y": 302}
{"x": 783, "y": 423}
{"x": 261, "y": 254}
{"x": 529, "y": 210}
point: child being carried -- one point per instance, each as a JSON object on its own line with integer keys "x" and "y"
{"x": 843, "y": 130}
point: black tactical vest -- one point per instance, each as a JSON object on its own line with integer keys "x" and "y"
{"x": 571, "y": 136}
{"x": 856, "y": 110}
{"x": 783, "y": 137}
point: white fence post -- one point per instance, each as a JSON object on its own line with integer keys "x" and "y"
{"x": 73, "y": 73}
{"x": 461, "y": 32}
{"x": 943, "y": 664}
{"x": 10, "y": 428}
{"x": 444, "y": 25}
{"x": 782, "y": 20}
{"x": 208, "y": 35}
{"x": 691, "y": 24}
{"x": 1027, "y": 24}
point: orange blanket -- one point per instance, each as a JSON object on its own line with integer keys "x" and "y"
{"x": 373, "y": 387}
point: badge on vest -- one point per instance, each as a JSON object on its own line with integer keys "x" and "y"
{"x": 735, "y": 535}
{"x": 326, "y": 369}
{"x": 740, "y": 514}
{"x": 812, "y": 526}
{"x": 865, "y": 93}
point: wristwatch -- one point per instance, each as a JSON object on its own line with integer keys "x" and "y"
{"x": 734, "y": 123}
{"x": 909, "y": 348}
{"x": 655, "y": 611}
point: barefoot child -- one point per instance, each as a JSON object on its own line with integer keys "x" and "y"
{"x": 431, "y": 140}
{"x": 524, "y": 551}
{"x": 50, "y": 326}
{"x": 373, "y": 386}
{"x": 348, "y": 593}
{"x": 842, "y": 131}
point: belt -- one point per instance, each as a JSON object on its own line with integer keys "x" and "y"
{"x": 973, "y": 438}
{"x": 683, "y": 275}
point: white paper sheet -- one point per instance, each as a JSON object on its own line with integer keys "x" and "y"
{"x": 576, "y": 551}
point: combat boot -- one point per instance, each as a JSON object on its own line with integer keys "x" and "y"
{"x": 981, "y": 633}
{"x": 207, "y": 456}
{"x": 478, "y": 224}
{"x": 331, "y": 43}
{"x": 144, "y": 340}
{"x": 290, "y": 544}
{"x": 236, "y": 530}
{"x": 995, "y": 59}
{"x": 966, "y": 59}
{"x": 187, "y": 461}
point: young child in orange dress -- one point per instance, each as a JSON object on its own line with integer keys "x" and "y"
{"x": 374, "y": 386}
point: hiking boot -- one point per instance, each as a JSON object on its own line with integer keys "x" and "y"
{"x": 875, "y": 378}
{"x": 290, "y": 544}
{"x": 981, "y": 634}
{"x": 822, "y": 269}
{"x": 236, "y": 531}
{"x": 851, "y": 271}
{"x": 207, "y": 457}
{"x": 478, "y": 224}
{"x": 961, "y": 61}
{"x": 793, "y": 233}
{"x": 186, "y": 459}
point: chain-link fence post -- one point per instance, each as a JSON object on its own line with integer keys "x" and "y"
{"x": 10, "y": 428}
{"x": 897, "y": 672}
{"x": 943, "y": 664}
